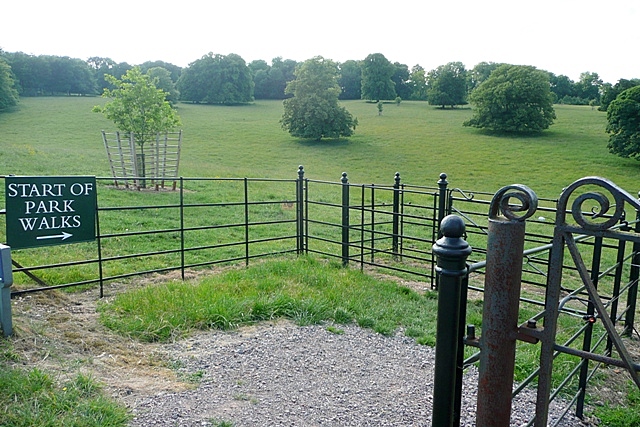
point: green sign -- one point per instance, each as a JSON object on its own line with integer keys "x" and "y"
{"x": 44, "y": 211}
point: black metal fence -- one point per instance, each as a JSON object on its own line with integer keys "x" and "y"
{"x": 208, "y": 222}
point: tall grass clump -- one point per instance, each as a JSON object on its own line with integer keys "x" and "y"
{"x": 31, "y": 398}
{"x": 303, "y": 290}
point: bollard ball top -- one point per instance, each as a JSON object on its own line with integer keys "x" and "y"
{"x": 452, "y": 245}
{"x": 452, "y": 226}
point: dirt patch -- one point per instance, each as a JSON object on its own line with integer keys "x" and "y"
{"x": 61, "y": 333}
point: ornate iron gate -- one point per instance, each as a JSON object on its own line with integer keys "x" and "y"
{"x": 597, "y": 211}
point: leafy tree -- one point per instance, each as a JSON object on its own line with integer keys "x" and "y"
{"x": 313, "y": 111}
{"x": 162, "y": 80}
{"x": 418, "y": 83}
{"x": 377, "y": 72}
{"x": 138, "y": 107}
{"x": 400, "y": 79}
{"x": 217, "y": 79}
{"x": 610, "y": 93}
{"x": 588, "y": 86}
{"x": 480, "y": 73}
{"x": 173, "y": 70}
{"x": 447, "y": 85}
{"x": 8, "y": 92}
{"x": 350, "y": 80}
{"x": 271, "y": 80}
{"x": 562, "y": 87}
{"x": 106, "y": 66}
{"x": 623, "y": 117}
{"x": 69, "y": 75}
{"x": 515, "y": 98}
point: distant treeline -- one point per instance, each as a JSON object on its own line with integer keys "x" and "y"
{"x": 62, "y": 75}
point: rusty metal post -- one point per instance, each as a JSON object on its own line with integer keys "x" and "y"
{"x": 452, "y": 252}
{"x": 503, "y": 274}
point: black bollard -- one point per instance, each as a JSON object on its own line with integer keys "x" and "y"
{"x": 451, "y": 251}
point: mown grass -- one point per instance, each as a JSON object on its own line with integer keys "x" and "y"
{"x": 61, "y": 136}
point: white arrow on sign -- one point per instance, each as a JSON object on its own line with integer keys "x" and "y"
{"x": 63, "y": 236}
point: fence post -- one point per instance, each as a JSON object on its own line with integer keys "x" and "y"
{"x": 345, "y": 219}
{"x": 300, "y": 210}
{"x": 503, "y": 274}
{"x": 442, "y": 200}
{"x": 396, "y": 214}
{"x": 452, "y": 252}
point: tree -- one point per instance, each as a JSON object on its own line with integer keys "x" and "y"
{"x": 173, "y": 70}
{"x": 350, "y": 80}
{"x": 515, "y": 98}
{"x": 447, "y": 85}
{"x": 138, "y": 107}
{"x": 313, "y": 111}
{"x": 271, "y": 80}
{"x": 480, "y": 73}
{"x": 418, "y": 83}
{"x": 623, "y": 117}
{"x": 588, "y": 86}
{"x": 562, "y": 87}
{"x": 8, "y": 92}
{"x": 610, "y": 93}
{"x": 217, "y": 79}
{"x": 376, "y": 78}
{"x": 400, "y": 79}
{"x": 161, "y": 78}
{"x": 106, "y": 66}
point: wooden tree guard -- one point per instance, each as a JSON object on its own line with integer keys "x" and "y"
{"x": 132, "y": 165}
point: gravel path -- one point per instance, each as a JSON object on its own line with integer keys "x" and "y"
{"x": 285, "y": 375}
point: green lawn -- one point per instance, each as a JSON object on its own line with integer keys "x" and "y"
{"x": 50, "y": 136}
{"x": 61, "y": 136}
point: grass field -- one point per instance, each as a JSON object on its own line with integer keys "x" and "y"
{"x": 61, "y": 136}
{"x": 52, "y": 136}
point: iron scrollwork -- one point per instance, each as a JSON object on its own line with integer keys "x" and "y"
{"x": 502, "y": 203}
{"x": 609, "y": 204}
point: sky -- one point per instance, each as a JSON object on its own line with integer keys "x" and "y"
{"x": 565, "y": 37}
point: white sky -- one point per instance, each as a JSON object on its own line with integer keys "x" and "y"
{"x": 562, "y": 36}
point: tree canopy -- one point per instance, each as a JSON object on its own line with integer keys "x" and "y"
{"x": 217, "y": 79}
{"x": 136, "y": 106}
{"x": 271, "y": 80}
{"x": 8, "y": 92}
{"x": 447, "y": 85}
{"x": 515, "y": 98}
{"x": 611, "y": 92}
{"x": 350, "y": 80}
{"x": 377, "y": 73}
{"x": 162, "y": 80}
{"x": 623, "y": 124}
{"x": 313, "y": 111}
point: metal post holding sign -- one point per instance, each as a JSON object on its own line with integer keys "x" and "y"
{"x": 45, "y": 211}
{"x": 6, "y": 280}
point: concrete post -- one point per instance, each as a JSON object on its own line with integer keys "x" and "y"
{"x": 6, "y": 280}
